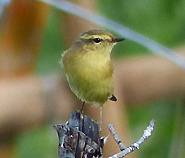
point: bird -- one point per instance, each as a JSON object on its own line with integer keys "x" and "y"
{"x": 89, "y": 68}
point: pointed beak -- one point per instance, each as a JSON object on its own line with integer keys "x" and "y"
{"x": 117, "y": 40}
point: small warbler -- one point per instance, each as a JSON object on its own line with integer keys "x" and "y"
{"x": 89, "y": 68}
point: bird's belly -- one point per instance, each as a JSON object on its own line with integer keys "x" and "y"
{"x": 91, "y": 78}
{"x": 91, "y": 88}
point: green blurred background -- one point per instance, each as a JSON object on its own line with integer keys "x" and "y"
{"x": 160, "y": 20}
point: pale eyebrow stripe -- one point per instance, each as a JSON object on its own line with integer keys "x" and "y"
{"x": 104, "y": 37}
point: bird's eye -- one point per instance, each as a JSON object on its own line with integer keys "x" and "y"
{"x": 97, "y": 40}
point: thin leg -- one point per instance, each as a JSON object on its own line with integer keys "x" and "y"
{"x": 101, "y": 117}
{"x": 83, "y": 103}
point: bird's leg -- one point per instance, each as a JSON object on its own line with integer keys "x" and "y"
{"x": 101, "y": 118}
{"x": 83, "y": 103}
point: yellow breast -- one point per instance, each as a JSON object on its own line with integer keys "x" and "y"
{"x": 90, "y": 75}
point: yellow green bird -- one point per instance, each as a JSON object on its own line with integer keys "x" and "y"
{"x": 89, "y": 68}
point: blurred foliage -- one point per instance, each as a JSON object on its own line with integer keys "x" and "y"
{"x": 50, "y": 54}
{"x": 38, "y": 143}
{"x": 161, "y": 20}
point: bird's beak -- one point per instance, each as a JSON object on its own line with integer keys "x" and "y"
{"x": 117, "y": 40}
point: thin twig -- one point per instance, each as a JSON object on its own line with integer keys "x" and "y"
{"x": 116, "y": 137}
{"x": 146, "y": 134}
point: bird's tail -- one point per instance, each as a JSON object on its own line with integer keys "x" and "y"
{"x": 113, "y": 98}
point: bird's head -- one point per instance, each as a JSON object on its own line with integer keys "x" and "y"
{"x": 96, "y": 40}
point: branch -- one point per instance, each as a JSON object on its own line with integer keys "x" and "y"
{"x": 126, "y": 150}
{"x": 80, "y": 138}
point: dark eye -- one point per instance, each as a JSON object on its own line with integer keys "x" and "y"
{"x": 97, "y": 40}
